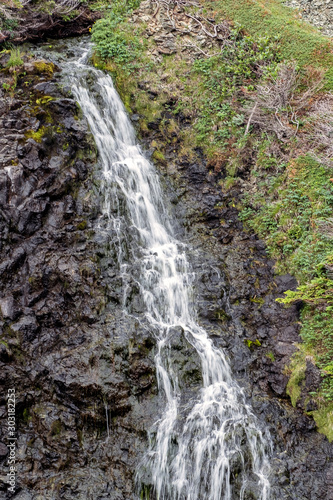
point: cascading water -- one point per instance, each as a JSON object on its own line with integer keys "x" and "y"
{"x": 217, "y": 444}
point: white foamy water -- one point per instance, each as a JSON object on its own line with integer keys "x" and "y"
{"x": 217, "y": 451}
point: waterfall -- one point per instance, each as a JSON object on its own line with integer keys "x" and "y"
{"x": 218, "y": 443}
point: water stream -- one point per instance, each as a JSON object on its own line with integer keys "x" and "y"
{"x": 217, "y": 451}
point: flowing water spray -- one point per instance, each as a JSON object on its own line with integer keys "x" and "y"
{"x": 216, "y": 451}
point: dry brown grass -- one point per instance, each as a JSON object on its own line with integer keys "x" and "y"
{"x": 278, "y": 103}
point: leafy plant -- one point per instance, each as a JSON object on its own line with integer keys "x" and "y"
{"x": 225, "y": 78}
{"x": 298, "y": 40}
{"x": 110, "y": 43}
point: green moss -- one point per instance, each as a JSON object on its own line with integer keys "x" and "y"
{"x": 271, "y": 356}
{"x": 297, "y": 376}
{"x": 44, "y": 100}
{"x": 251, "y": 344}
{"x": 158, "y": 156}
{"x": 36, "y": 136}
{"x": 82, "y": 225}
{"x": 324, "y": 420}
{"x": 26, "y": 415}
{"x": 44, "y": 67}
{"x": 257, "y": 300}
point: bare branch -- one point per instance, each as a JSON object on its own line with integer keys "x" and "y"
{"x": 193, "y": 45}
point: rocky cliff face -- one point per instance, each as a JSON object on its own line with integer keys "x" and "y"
{"x": 82, "y": 370}
{"x": 76, "y": 364}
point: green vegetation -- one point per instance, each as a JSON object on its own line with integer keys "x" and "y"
{"x": 36, "y": 136}
{"x": 113, "y": 37}
{"x": 298, "y": 40}
{"x": 271, "y": 356}
{"x": 44, "y": 100}
{"x": 250, "y": 103}
{"x": 26, "y": 417}
{"x": 251, "y": 344}
{"x": 288, "y": 211}
{"x": 291, "y": 211}
{"x": 44, "y": 67}
{"x": 82, "y": 225}
{"x": 224, "y": 80}
{"x": 212, "y": 88}
{"x": 7, "y": 20}
{"x": 15, "y": 59}
{"x": 296, "y": 372}
{"x": 324, "y": 420}
{"x": 157, "y": 155}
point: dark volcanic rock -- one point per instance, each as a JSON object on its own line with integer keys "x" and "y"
{"x": 60, "y": 311}
{"x": 84, "y": 373}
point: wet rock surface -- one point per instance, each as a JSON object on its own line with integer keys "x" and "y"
{"x": 30, "y": 21}
{"x": 82, "y": 369}
{"x": 236, "y": 291}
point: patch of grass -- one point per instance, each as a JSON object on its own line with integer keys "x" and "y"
{"x": 287, "y": 212}
{"x": 298, "y": 40}
{"x": 112, "y": 36}
{"x": 212, "y": 89}
{"x": 224, "y": 81}
{"x": 324, "y": 420}
{"x": 15, "y": 60}
{"x": 296, "y": 372}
